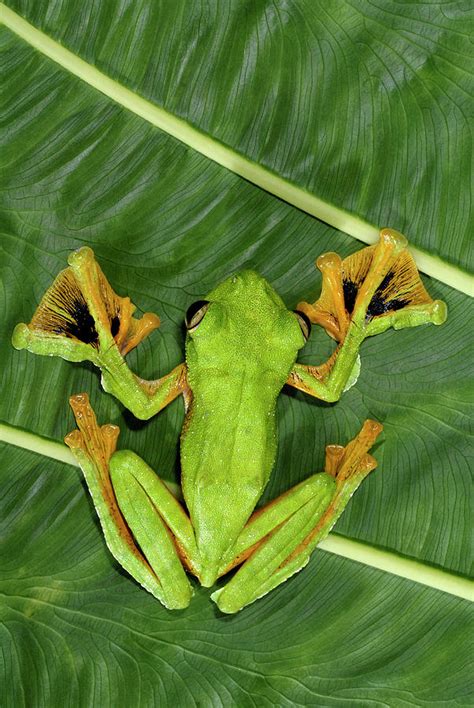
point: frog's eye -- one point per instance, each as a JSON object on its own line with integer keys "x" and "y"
{"x": 304, "y": 323}
{"x": 195, "y": 313}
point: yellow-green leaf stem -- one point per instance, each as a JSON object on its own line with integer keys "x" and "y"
{"x": 36, "y": 443}
{"x": 403, "y": 567}
{"x": 50, "y": 448}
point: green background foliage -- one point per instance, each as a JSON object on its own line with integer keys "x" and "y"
{"x": 366, "y": 109}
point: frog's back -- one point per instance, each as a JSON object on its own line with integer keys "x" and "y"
{"x": 238, "y": 357}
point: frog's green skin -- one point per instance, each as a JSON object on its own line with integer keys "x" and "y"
{"x": 238, "y": 360}
{"x": 241, "y": 349}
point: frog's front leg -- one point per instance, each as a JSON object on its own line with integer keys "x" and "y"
{"x": 363, "y": 295}
{"x": 80, "y": 318}
{"x": 279, "y": 539}
{"x": 145, "y": 527}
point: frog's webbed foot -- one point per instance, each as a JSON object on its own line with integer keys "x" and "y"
{"x": 145, "y": 528}
{"x": 365, "y": 294}
{"x": 349, "y": 466}
{"x": 378, "y": 287}
{"x": 80, "y": 317}
{"x": 279, "y": 538}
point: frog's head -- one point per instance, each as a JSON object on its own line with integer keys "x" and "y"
{"x": 244, "y": 320}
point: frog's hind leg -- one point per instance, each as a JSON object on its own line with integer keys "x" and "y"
{"x": 145, "y": 528}
{"x": 279, "y": 539}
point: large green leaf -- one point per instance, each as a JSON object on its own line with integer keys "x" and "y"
{"x": 167, "y": 224}
{"x": 367, "y": 105}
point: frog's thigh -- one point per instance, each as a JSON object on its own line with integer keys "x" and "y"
{"x": 287, "y": 546}
{"x": 158, "y": 523}
{"x": 159, "y": 571}
{"x": 268, "y": 518}
{"x": 282, "y": 550}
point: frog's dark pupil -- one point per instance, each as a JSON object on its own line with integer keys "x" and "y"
{"x": 305, "y": 324}
{"x": 192, "y": 311}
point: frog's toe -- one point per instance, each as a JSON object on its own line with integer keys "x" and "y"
{"x": 97, "y": 442}
{"x": 343, "y": 463}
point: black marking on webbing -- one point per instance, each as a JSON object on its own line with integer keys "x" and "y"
{"x": 66, "y": 313}
{"x": 380, "y": 304}
{"x": 81, "y": 325}
{"x": 350, "y": 290}
{"x": 114, "y": 325}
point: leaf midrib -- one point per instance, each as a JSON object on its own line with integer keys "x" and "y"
{"x": 362, "y": 552}
{"x": 222, "y": 154}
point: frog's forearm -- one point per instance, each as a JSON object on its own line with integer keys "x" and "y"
{"x": 330, "y": 387}
{"x": 143, "y": 398}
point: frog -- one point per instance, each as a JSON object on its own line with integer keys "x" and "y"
{"x": 241, "y": 350}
